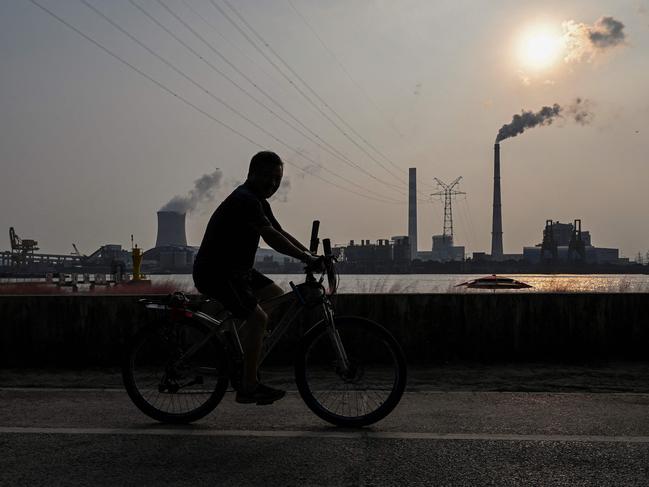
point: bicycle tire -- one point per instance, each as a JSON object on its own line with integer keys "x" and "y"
{"x": 134, "y": 387}
{"x": 375, "y": 341}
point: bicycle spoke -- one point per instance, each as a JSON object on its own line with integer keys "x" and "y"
{"x": 368, "y": 383}
{"x": 156, "y": 366}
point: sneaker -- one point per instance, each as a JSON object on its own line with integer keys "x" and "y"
{"x": 260, "y": 395}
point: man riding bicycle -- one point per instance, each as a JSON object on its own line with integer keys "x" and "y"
{"x": 223, "y": 268}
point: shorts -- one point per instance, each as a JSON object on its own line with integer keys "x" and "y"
{"x": 234, "y": 290}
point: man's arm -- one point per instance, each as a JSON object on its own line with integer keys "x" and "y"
{"x": 293, "y": 240}
{"x": 278, "y": 241}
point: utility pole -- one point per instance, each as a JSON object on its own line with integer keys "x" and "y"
{"x": 448, "y": 191}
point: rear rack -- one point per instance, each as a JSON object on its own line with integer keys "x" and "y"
{"x": 175, "y": 300}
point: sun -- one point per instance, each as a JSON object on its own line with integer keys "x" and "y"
{"x": 540, "y": 47}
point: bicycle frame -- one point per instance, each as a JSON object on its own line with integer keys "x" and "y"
{"x": 219, "y": 327}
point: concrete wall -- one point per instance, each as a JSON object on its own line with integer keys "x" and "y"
{"x": 512, "y": 327}
{"x": 432, "y": 328}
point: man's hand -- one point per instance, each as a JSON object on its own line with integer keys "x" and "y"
{"x": 315, "y": 263}
{"x": 309, "y": 259}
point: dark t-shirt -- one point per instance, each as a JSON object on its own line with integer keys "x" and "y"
{"x": 232, "y": 235}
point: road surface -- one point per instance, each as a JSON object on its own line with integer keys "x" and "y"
{"x": 84, "y": 436}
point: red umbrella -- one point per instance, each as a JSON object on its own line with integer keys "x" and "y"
{"x": 494, "y": 282}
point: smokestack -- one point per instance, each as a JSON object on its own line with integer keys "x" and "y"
{"x": 497, "y": 222}
{"x": 412, "y": 211}
{"x": 171, "y": 229}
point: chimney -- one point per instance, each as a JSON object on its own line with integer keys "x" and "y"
{"x": 171, "y": 229}
{"x": 497, "y": 222}
{"x": 412, "y": 211}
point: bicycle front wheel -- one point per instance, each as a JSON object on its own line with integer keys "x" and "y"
{"x": 368, "y": 389}
{"x": 175, "y": 372}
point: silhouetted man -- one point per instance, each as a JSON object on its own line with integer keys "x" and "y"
{"x": 223, "y": 268}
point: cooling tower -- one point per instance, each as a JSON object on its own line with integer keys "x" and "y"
{"x": 171, "y": 229}
{"x": 412, "y": 211}
{"x": 497, "y": 222}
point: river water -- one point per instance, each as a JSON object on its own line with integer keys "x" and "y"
{"x": 445, "y": 283}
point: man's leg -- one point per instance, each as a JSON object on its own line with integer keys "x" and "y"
{"x": 252, "y": 339}
{"x": 269, "y": 297}
{"x": 252, "y": 336}
{"x": 253, "y": 330}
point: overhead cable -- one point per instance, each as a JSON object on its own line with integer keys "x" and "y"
{"x": 266, "y": 44}
{"x": 254, "y": 84}
{"x": 185, "y": 100}
{"x": 212, "y": 95}
{"x": 293, "y": 83}
{"x": 341, "y": 65}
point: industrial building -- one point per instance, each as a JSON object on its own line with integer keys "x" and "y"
{"x": 23, "y": 259}
{"x": 385, "y": 255}
{"x": 272, "y": 262}
{"x": 171, "y": 254}
{"x": 567, "y": 242}
{"x": 561, "y": 242}
{"x": 443, "y": 250}
{"x": 384, "y": 250}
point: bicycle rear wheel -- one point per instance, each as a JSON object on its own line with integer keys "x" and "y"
{"x": 372, "y": 386}
{"x": 165, "y": 381}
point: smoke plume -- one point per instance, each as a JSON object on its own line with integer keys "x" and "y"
{"x": 577, "y": 111}
{"x": 583, "y": 42}
{"x": 580, "y": 111}
{"x": 204, "y": 191}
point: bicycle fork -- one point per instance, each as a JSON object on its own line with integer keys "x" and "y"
{"x": 336, "y": 342}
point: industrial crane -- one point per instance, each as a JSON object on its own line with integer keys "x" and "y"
{"x": 20, "y": 248}
{"x": 76, "y": 251}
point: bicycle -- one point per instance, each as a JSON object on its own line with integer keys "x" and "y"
{"x": 350, "y": 371}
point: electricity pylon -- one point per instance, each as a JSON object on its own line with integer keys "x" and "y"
{"x": 448, "y": 191}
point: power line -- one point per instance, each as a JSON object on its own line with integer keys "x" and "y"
{"x": 185, "y": 100}
{"x": 315, "y": 94}
{"x": 296, "y": 75}
{"x": 341, "y": 65}
{"x": 232, "y": 44}
{"x": 208, "y": 92}
{"x": 246, "y": 92}
{"x": 337, "y": 153}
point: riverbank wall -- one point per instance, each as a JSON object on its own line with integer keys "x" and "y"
{"x": 81, "y": 331}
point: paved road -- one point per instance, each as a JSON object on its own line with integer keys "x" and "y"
{"x": 97, "y": 437}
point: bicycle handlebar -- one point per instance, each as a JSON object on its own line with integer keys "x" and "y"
{"x": 325, "y": 263}
{"x": 326, "y": 245}
{"x": 313, "y": 245}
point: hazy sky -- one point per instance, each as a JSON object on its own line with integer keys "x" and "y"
{"x": 90, "y": 149}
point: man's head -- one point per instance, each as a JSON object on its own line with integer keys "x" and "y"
{"x": 265, "y": 173}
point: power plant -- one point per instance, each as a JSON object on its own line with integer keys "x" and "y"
{"x": 171, "y": 254}
{"x": 171, "y": 229}
{"x": 398, "y": 253}
{"x": 563, "y": 246}
{"x": 568, "y": 243}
